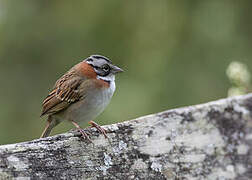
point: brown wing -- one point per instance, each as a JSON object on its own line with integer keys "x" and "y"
{"x": 64, "y": 93}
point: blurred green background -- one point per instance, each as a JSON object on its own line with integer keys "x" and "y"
{"x": 175, "y": 53}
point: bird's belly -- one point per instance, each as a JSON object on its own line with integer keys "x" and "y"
{"x": 90, "y": 107}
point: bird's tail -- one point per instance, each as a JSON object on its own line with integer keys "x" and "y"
{"x": 51, "y": 123}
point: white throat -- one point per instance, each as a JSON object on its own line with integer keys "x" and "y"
{"x": 109, "y": 78}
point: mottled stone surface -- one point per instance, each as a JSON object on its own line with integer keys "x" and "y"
{"x": 208, "y": 141}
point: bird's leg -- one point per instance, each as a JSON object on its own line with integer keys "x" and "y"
{"x": 99, "y": 128}
{"x": 83, "y": 133}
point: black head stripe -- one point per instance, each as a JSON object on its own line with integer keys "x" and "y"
{"x": 89, "y": 59}
{"x": 101, "y": 57}
{"x": 99, "y": 70}
{"x": 96, "y": 67}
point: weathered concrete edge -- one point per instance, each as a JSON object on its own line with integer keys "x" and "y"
{"x": 113, "y": 127}
{"x": 238, "y": 109}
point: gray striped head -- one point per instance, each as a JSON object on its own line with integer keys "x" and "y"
{"x": 102, "y": 65}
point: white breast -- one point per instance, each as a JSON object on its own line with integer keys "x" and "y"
{"x": 102, "y": 98}
{"x": 89, "y": 108}
{"x": 96, "y": 103}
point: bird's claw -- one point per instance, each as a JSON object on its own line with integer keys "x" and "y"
{"x": 99, "y": 128}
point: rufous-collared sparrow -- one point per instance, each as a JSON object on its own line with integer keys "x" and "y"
{"x": 81, "y": 94}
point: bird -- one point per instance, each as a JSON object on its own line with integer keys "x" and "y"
{"x": 81, "y": 94}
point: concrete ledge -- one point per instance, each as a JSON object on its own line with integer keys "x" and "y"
{"x": 208, "y": 141}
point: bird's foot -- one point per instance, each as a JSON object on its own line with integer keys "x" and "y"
{"x": 83, "y": 133}
{"x": 99, "y": 128}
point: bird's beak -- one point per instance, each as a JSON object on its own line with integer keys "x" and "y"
{"x": 116, "y": 69}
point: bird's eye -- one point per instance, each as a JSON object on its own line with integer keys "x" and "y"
{"x": 106, "y": 68}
